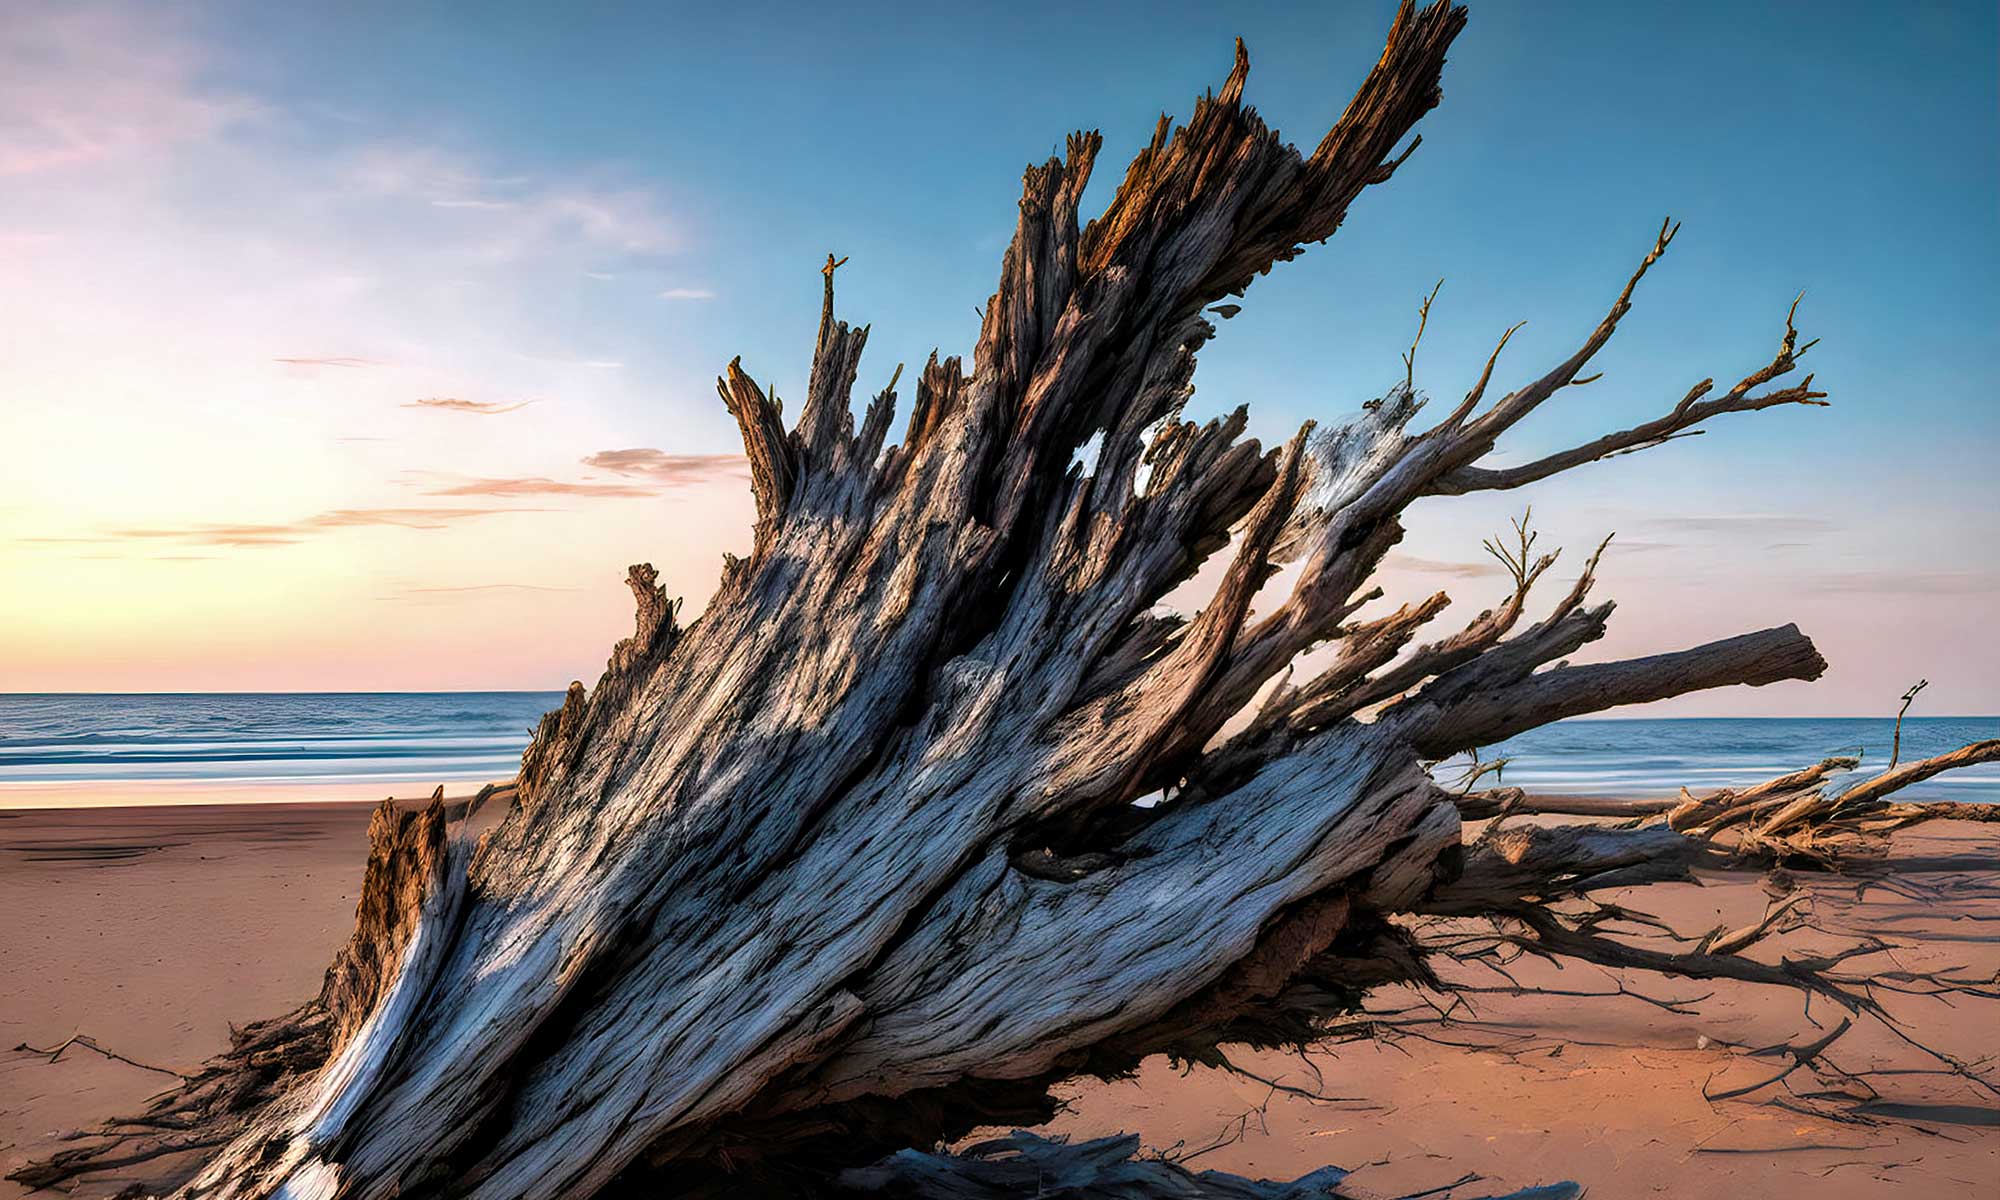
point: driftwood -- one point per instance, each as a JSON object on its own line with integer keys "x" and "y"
{"x": 857, "y": 862}
{"x": 1022, "y": 1164}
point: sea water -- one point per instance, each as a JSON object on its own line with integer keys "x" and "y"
{"x": 286, "y": 746}
{"x": 181, "y": 748}
{"x": 1653, "y": 757}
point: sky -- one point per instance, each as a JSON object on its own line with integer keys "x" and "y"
{"x": 361, "y": 347}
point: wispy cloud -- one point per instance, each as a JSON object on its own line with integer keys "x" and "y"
{"x": 315, "y": 363}
{"x": 1908, "y": 583}
{"x": 515, "y": 214}
{"x": 590, "y": 364}
{"x": 538, "y": 486}
{"x": 488, "y": 587}
{"x": 671, "y": 470}
{"x": 687, "y": 293}
{"x": 1430, "y": 566}
{"x": 293, "y": 532}
{"x": 1759, "y": 525}
{"x": 485, "y": 408}
{"x": 81, "y": 84}
{"x": 466, "y": 592}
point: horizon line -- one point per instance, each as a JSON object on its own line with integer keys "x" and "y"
{"x": 561, "y": 690}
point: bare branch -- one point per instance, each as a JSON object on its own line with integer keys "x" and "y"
{"x": 1894, "y": 781}
{"x": 1489, "y": 705}
{"x": 1423, "y": 319}
{"x": 1461, "y": 475}
{"x": 1896, "y": 744}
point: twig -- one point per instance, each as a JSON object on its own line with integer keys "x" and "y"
{"x": 1423, "y": 318}
{"x": 1896, "y": 745}
{"x": 78, "y": 1039}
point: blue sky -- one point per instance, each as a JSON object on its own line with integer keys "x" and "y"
{"x": 594, "y": 208}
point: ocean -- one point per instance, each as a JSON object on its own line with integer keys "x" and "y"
{"x": 61, "y": 749}
{"x": 1653, "y": 757}
{"x": 198, "y": 747}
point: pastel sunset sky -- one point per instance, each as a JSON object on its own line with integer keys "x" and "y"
{"x": 362, "y": 346}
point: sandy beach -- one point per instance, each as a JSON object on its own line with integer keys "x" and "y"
{"x": 151, "y": 929}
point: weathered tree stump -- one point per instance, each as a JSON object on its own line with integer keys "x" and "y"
{"x": 853, "y": 863}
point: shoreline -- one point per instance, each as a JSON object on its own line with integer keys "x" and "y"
{"x": 151, "y": 929}
{"x": 100, "y": 795}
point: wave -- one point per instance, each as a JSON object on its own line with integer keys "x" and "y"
{"x": 1657, "y": 757}
{"x": 428, "y": 738}
{"x": 276, "y": 739}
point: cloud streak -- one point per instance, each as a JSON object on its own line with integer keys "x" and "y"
{"x": 1908, "y": 583}
{"x": 315, "y": 363}
{"x": 513, "y": 215}
{"x": 536, "y": 485}
{"x": 484, "y": 408}
{"x": 1429, "y": 566}
{"x": 669, "y": 470}
{"x": 293, "y": 532}
{"x": 1759, "y": 525}
{"x": 490, "y": 587}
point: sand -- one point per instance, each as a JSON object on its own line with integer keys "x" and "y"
{"x": 149, "y": 929}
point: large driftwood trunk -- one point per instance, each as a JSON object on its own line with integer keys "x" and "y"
{"x": 852, "y": 863}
